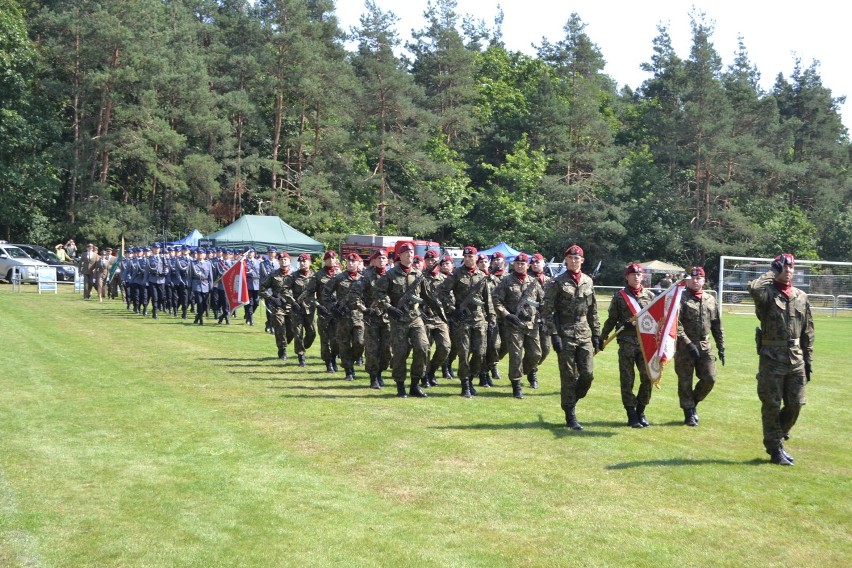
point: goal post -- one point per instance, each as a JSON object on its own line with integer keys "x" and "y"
{"x": 828, "y": 284}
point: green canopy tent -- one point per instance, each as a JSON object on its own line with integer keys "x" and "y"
{"x": 262, "y": 232}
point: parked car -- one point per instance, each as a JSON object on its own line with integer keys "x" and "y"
{"x": 12, "y": 257}
{"x": 65, "y": 271}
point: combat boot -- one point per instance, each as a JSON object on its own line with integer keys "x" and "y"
{"x": 533, "y": 379}
{"x": 380, "y": 380}
{"x": 334, "y": 368}
{"x": 786, "y": 454}
{"x": 689, "y": 417}
{"x": 640, "y": 415}
{"x": 448, "y": 372}
{"x": 483, "y": 379}
{"x": 517, "y": 392}
{"x": 495, "y": 374}
{"x": 281, "y": 354}
{"x": 430, "y": 377}
{"x": 632, "y": 417}
{"x": 374, "y": 381}
{"x": 424, "y": 382}
{"x": 301, "y": 360}
{"x": 350, "y": 374}
{"x": 571, "y": 419}
{"x": 472, "y": 388}
{"x": 328, "y": 366}
{"x": 465, "y": 388}
{"x": 415, "y": 389}
{"x": 778, "y": 458}
{"x": 400, "y": 389}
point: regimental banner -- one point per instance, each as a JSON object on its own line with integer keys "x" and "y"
{"x": 656, "y": 327}
{"x": 236, "y": 287}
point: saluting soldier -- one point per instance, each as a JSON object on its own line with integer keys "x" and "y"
{"x": 698, "y": 318}
{"x": 301, "y": 318}
{"x": 325, "y": 319}
{"x": 464, "y": 295}
{"x": 401, "y": 293}
{"x": 437, "y": 328}
{"x": 377, "y": 333}
{"x": 571, "y": 316}
{"x": 349, "y": 318}
{"x": 517, "y": 300}
{"x": 624, "y": 305}
{"x": 786, "y": 348}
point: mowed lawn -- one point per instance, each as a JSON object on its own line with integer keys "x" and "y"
{"x": 127, "y": 441}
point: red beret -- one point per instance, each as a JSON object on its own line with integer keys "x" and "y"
{"x": 329, "y": 254}
{"x": 353, "y": 257}
{"x": 781, "y": 260}
{"x": 537, "y": 256}
{"x": 633, "y": 268}
{"x": 431, "y": 253}
{"x": 418, "y": 258}
{"x": 447, "y": 258}
{"x": 523, "y": 257}
{"x": 574, "y": 250}
{"x": 482, "y": 257}
{"x": 470, "y": 250}
{"x": 404, "y": 246}
{"x": 305, "y": 256}
{"x": 498, "y": 254}
{"x": 697, "y": 271}
{"x": 283, "y": 255}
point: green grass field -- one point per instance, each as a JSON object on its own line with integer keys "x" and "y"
{"x": 126, "y": 441}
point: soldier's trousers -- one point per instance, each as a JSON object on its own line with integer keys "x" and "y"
{"x": 470, "y": 342}
{"x": 140, "y": 296}
{"x": 494, "y": 348}
{"x": 251, "y": 307}
{"x": 377, "y": 346}
{"x": 156, "y": 293}
{"x": 350, "y": 341}
{"x": 781, "y": 389}
{"x": 328, "y": 338}
{"x": 439, "y": 337}
{"x": 300, "y": 331}
{"x": 279, "y": 327}
{"x": 704, "y": 368}
{"x": 524, "y": 350}
{"x": 576, "y": 371}
{"x": 181, "y": 297}
{"x": 407, "y": 338}
{"x": 630, "y": 358}
{"x": 544, "y": 341}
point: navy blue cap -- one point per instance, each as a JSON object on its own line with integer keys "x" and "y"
{"x": 156, "y": 245}
{"x": 147, "y": 249}
{"x": 272, "y": 249}
{"x": 185, "y": 247}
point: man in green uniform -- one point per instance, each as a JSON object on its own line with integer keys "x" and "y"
{"x": 785, "y": 346}
{"x": 571, "y": 315}
{"x": 301, "y": 320}
{"x": 326, "y": 324}
{"x": 698, "y": 318}
{"x": 276, "y": 294}
{"x": 349, "y": 317}
{"x": 377, "y": 333}
{"x": 517, "y": 299}
{"x": 437, "y": 329}
{"x": 624, "y": 305}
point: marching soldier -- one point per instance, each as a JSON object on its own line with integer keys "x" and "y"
{"x": 436, "y": 327}
{"x": 325, "y": 320}
{"x": 571, "y": 316}
{"x": 139, "y": 282}
{"x": 201, "y": 276}
{"x": 301, "y": 318}
{"x": 785, "y": 346}
{"x": 348, "y": 317}
{"x": 180, "y": 269}
{"x": 276, "y": 294}
{"x": 269, "y": 265}
{"x": 537, "y": 271}
{"x": 464, "y": 295}
{"x": 447, "y": 267}
{"x": 157, "y": 270}
{"x": 516, "y": 300}
{"x": 625, "y": 303}
{"x": 698, "y": 318}
{"x": 377, "y": 333}
{"x": 496, "y": 348}
{"x": 126, "y": 274}
{"x": 253, "y": 283}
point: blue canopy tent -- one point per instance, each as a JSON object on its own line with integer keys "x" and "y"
{"x": 190, "y": 240}
{"x": 509, "y": 252}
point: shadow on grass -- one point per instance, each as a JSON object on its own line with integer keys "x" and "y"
{"x": 558, "y": 429}
{"x": 682, "y": 462}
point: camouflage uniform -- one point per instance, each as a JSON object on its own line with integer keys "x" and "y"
{"x": 543, "y": 334}
{"x": 519, "y": 295}
{"x": 300, "y": 323}
{"x": 326, "y": 324}
{"x": 570, "y": 311}
{"x": 630, "y": 353}
{"x": 377, "y": 333}
{"x": 349, "y": 318}
{"x": 697, "y": 320}
{"x": 437, "y": 329}
{"x": 786, "y": 352}
{"x": 470, "y": 322}
{"x": 275, "y": 291}
{"x": 496, "y": 346}
{"x": 408, "y": 330}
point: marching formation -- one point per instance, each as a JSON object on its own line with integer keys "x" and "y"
{"x": 421, "y": 317}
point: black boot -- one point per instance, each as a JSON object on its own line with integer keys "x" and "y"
{"x": 786, "y": 454}
{"x": 415, "y": 389}
{"x": 424, "y": 382}
{"x": 640, "y": 414}
{"x": 632, "y": 417}
{"x": 472, "y": 388}
{"x": 430, "y": 376}
{"x": 334, "y": 368}
{"x": 400, "y": 389}
{"x": 571, "y": 419}
{"x": 301, "y": 360}
{"x": 350, "y": 374}
{"x": 533, "y": 379}
{"x": 281, "y": 354}
{"x": 516, "y": 388}
{"x": 483, "y": 379}
{"x": 465, "y": 390}
{"x": 450, "y": 373}
{"x": 328, "y": 366}
{"x": 695, "y": 413}
{"x": 778, "y": 458}
{"x": 374, "y": 381}
{"x": 445, "y": 371}
{"x": 495, "y": 374}
{"x": 689, "y": 417}
{"x": 379, "y": 379}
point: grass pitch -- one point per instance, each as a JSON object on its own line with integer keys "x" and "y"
{"x": 127, "y": 441}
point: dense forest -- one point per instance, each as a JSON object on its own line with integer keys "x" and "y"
{"x": 142, "y": 118}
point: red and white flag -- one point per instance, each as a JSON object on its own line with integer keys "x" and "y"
{"x": 656, "y": 327}
{"x": 236, "y": 287}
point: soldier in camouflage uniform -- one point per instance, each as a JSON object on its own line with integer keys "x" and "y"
{"x": 325, "y": 320}
{"x": 698, "y": 318}
{"x": 401, "y": 292}
{"x": 625, "y": 303}
{"x": 437, "y": 328}
{"x": 464, "y": 295}
{"x": 537, "y": 272}
{"x": 276, "y": 294}
{"x": 447, "y": 267}
{"x": 377, "y": 333}
{"x": 517, "y": 299}
{"x": 494, "y": 344}
{"x": 301, "y": 330}
{"x": 786, "y": 343}
{"x": 571, "y": 315}
{"x": 348, "y": 312}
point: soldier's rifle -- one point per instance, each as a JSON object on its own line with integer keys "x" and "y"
{"x": 462, "y": 307}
